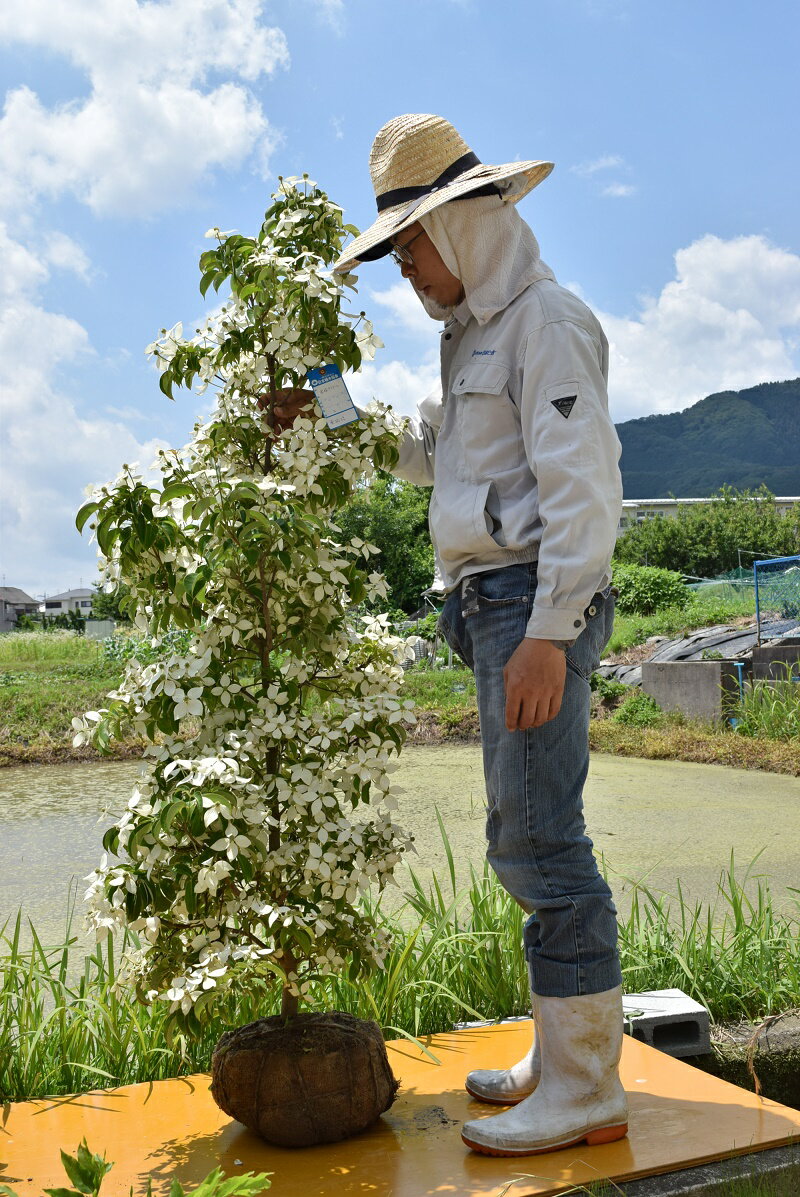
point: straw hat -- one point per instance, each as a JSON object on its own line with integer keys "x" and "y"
{"x": 418, "y": 162}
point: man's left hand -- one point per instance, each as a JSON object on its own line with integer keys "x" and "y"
{"x": 534, "y": 677}
{"x": 290, "y": 402}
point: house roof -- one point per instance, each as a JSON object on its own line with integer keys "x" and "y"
{"x": 13, "y": 594}
{"x": 80, "y": 592}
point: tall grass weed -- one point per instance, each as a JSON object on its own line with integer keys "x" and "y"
{"x": 770, "y": 708}
{"x": 53, "y": 647}
{"x": 456, "y": 957}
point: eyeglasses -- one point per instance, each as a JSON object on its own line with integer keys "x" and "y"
{"x": 402, "y": 254}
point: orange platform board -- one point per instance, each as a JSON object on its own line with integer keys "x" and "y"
{"x": 679, "y": 1117}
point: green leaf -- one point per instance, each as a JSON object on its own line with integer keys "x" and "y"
{"x": 111, "y": 840}
{"x": 176, "y": 490}
{"x": 80, "y": 1173}
{"x": 87, "y": 510}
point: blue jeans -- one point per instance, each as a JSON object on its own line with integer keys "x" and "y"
{"x": 537, "y": 843}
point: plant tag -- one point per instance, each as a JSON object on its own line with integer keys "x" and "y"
{"x": 332, "y": 396}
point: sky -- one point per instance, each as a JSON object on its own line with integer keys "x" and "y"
{"x": 130, "y": 128}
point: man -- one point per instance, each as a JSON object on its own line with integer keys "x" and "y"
{"x": 522, "y": 456}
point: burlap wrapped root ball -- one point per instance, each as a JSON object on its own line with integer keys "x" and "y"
{"x": 317, "y": 1078}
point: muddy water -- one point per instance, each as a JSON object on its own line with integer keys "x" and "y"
{"x": 651, "y": 822}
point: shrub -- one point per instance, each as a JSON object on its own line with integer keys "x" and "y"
{"x": 644, "y": 589}
{"x": 607, "y": 687}
{"x": 427, "y": 627}
{"x": 639, "y": 710}
{"x": 241, "y": 855}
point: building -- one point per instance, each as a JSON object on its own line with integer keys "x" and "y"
{"x": 636, "y": 511}
{"x": 14, "y": 602}
{"x": 79, "y": 600}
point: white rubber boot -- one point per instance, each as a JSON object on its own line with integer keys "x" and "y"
{"x": 579, "y": 1097}
{"x": 507, "y": 1086}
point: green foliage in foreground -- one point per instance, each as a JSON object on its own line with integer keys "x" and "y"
{"x": 87, "y": 1171}
{"x": 455, "y": 956}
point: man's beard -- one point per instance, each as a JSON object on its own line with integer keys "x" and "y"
{"x": 435, "y": 310}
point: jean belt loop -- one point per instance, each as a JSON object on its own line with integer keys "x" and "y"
{"x": 469, "y": 596}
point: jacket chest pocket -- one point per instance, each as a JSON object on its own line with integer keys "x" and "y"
{"x": 488, "y": 422}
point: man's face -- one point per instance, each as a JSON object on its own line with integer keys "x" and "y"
{"x": 428, "y": 273}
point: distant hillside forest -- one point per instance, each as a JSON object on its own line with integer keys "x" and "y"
{"x": 741, "y": 439}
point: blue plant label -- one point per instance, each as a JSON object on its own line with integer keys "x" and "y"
{"x": 332, "y": 396}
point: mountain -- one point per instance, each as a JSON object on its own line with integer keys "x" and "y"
{"x": 736, "y": 438}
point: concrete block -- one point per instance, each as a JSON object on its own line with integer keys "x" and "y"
{"x": 668, "y": 1019}
{"x": 700, "y": 689}
{"x": 770, "y": 662}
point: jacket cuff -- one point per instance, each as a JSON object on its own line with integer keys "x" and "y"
{"x": 550, "y": 624}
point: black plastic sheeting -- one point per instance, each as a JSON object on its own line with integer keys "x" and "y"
{"x": 733, "y": 643}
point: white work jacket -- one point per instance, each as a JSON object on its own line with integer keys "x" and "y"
{"x": 522, "y": 454}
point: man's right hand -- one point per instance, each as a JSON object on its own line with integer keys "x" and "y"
{"x": 289, "y": 404}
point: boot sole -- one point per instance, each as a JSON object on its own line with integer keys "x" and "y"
{"x": 592, "y": 1138}
{"x": 497, "y": 1101}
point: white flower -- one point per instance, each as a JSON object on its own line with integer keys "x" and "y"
{"x": 188, "y": 703}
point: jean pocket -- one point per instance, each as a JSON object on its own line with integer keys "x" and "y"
{"x": 500, "y": 587}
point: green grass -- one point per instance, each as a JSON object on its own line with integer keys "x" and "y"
{"x": 65, "y": 1026}
{"x": 17, "y": 648}
{"x": 440, "y": 689}
{"x": 39, "y": 698}
{"x": 770, "y": 709}
{"x": 701, "y": 612}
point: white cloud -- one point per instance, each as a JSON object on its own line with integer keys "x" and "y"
{"x": 729, "y": 319}
{"x": 65, "y": 254}
{"x": 396, "y": 383}
{"x": 332, "y": 12}
{"x": 151, "y": 127}
{"x": 404, "y": 309}
{"x": 598, "y": 167}
{"x": 607, "y": 162}
{"x": 166, "y": 100}
{"x": 619, "y": 190}
{"x": 49, "y": 450}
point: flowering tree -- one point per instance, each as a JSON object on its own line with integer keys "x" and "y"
{"x": 247, "y": 843}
